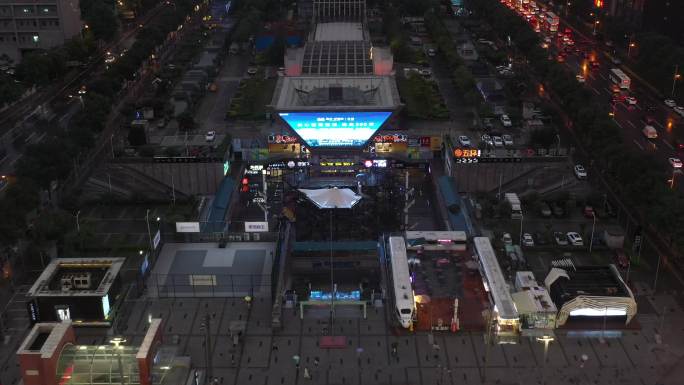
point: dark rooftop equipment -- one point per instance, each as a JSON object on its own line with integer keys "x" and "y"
{"x": 587, "y": 280}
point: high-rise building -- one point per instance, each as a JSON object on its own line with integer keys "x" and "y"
{"x": 27, "y": 25}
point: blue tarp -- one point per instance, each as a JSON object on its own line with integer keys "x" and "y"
{"x": 217, "y": 215}
{"x": 263, "y": 43}
{"x": 459, "y": 221}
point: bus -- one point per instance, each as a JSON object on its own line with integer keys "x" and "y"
{"x": 618, "y": 77}
{"x": 404, "y": 304}
{"x": 505, "y": 314}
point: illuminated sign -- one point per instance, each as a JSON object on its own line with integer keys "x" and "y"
{"x": 335, "y": 129}
{"x": 105, "y": 306}
{"x": 467, "y": 153}
{"x": 598, "y": 3}
{"x": 380, "y": 163}
{"x": 337, "y": 164}
{"x": 256, "y": 227}
{"x": 392, "y": 138}
{"x": 317, "y": 295}
{"x": 282, "y": 139}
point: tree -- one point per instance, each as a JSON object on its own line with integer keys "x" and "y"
{"x": 102, "y": 21}
{"x": 44, "y": 162}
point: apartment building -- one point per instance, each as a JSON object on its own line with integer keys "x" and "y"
{"x": 27, "y": 25}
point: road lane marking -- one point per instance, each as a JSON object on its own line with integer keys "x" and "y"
{"x": 631, "y": 124}
{"x": 638, "y": 144}
{"x": 661, "y": 126}
{"x": 619, "y": 125}
{"x": 595, "y": 90}
{"x": 668, "y": 144}
{"x": 602, "y": 77}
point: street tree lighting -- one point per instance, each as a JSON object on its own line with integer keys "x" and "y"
{"x": 546, "y": 340}
{"x": 676, "y": 77}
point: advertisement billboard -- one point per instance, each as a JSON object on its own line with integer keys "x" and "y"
{"x": 187, "y": 227}
{"x": 335, "y": 129}
{"x": 256, "y": 227}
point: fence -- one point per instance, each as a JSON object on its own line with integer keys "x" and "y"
{"x": 209, "y": 285}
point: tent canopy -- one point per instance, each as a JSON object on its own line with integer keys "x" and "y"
{"x": 332, "y": 198}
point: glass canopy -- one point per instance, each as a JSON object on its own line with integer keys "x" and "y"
{"x": 109, "y": 364}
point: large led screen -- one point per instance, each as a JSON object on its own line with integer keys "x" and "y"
{"x": 335, "y": 129}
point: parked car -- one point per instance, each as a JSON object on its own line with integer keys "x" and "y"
{"x": 670, "y": 103}
{"x": 621, "y": 259}
{"x": 545, "y": 209}
{"x": 251, "y": 71}
{"x": 506, "y": 121}
{"x": 508, "y": 140}
{"x": 558, "y": 210}
{"x": 580, "y": 78}
{"x": 497, "y": 141}
{"x": 464, "y": 141}
{"x": 575, "y": 239}
{"x": 540, "y": 239}
{"x": 527, "y": 240}
{"x": 675, "y": 162}
{"x": 210, "y": 136}
{"x": 486, "y": 139}
{"x": 507, "y": 239}
{"x": 631, "y": 100}
{"x": 580, "y": 172}
{"x": 561, "y": 239}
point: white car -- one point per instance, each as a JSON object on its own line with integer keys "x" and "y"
{"x": 426, "y": 73}
{"x": 675, "y": 162}
{"x": 575, "y": 239}
{"x": 109, "y": 58}
{"x": 507, "y": 239}
{"x": 580, "y": 78}
{"x": 497, "y": 141}
{"x": 670, "y": 103}
{"x": 431, "y": 52}
{"x": 506, "y": 121}
{"x": 508, "y": 140}
{"x": 580, "y": 172}
{"x": 464, "y": 140}
{"x": 210, "y": 136}
{"x": 251, "y": 71}
{"x": 527, "y": 240}
{"x": 679, "y": 110}
{"x": 486, "y": 139}
{"x": 631, "y": 100}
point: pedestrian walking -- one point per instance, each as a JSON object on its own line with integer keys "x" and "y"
{"x": 275, "y": 348}
{"x": 295, "y": 358}
{"x": 307, "y": 375}
{"x": 316, "y": 361}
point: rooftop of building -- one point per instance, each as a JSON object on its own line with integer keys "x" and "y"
{"x": 337, "y": 58}
{"x": 77, "y": 277}
{"x": 315, "y": 93}
{"x": 577, "y": 281}
{"x": 339, "y": 31}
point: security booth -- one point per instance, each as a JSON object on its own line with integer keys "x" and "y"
{"x": 83, "y": 290}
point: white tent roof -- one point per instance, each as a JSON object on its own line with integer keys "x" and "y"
{"x": 332, "y": 198}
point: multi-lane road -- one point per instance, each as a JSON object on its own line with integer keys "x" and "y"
{"x": 630, "y": 118}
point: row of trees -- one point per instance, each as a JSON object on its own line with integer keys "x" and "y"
{"x": 637, "y": 177}
{"x": 53, "y": 158}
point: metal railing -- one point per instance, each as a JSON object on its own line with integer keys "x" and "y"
{"x": 209, "y": 285}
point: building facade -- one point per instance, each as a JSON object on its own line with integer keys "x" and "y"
{"x": 33, "y": 25}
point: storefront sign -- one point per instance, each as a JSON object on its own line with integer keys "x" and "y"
{"x": 282, "y": 139}
{"x": 187, "y": 227}
{"x": 337, "y": 164}
{"x": 33, "y": 311}
{"x": 256, "y": 227}
{"x": 391, "y": 138}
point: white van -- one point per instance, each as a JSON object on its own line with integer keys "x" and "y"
{"x": 650, "y": 132}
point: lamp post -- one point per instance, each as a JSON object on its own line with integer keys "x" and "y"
{"x": 546, "y": 340}
{"x": 557, "y": 144}
{"x": 521, "y": 227}
{"x": 593, "y": 224}
{"x": 675, "y": 78}
{"x": 655, "y": 281}
{"x": 629, "y": 48}
{"x": 78, "y": 226}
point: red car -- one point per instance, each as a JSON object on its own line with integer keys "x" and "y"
{"x": 588, "y": 212}
{"x": 621, "y": 259}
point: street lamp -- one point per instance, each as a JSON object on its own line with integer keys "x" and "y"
{"x": 675, "y": 78}
{"x": 629, "y": 48}
{"x": 593, "y": 224}
{"x": 546, "y": 340}
{"x": 78, "y": 226}
{"x": 521, "y": 227}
